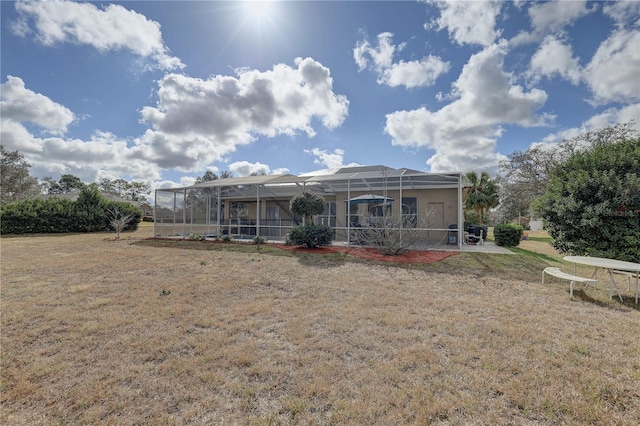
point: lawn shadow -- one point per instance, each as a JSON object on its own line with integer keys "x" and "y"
{"x": 628, "y": 303}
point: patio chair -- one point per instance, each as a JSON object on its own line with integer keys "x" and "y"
{"x": 476, "y": 235}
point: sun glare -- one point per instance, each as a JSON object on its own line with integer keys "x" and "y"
{"x": 259, "y": 12}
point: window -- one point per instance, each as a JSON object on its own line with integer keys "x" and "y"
{"x": 239, "y": 210}
{"x": 372, "y": 212}
{"x": 273, "y": 214}
{"x": 409, "y": 212}
{"x": 328, "y": 216}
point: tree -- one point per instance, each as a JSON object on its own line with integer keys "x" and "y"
{"x": 120, "y": 187}
{"x": 208, "y": 176}
{"x": 524, "y": 176}
{"x": 307, "y": 205}
{"x": 309, "y": 235}
{"x": 90, "y": 209}
{"x": 106, "y": 185}
{"x": 69, "y": 183}
{"x": 15, "y": 182}
{"x": 50, "y": 185}
{"x": 592, "y": 203}
{"x": 134, "y": 191}
{"x": 119, "y": 219}
{"x": 391, "y": 234}
{"x": 483, "y": 193}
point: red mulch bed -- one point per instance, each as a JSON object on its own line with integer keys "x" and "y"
{"x": 414, "y": 256}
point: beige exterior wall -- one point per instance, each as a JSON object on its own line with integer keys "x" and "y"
{"x": 446, "y": 198}
{"x": 443, "y": 202}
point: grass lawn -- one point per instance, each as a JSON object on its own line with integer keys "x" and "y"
{"x": 136, "y": 331}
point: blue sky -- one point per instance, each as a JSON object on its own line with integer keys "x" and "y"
{"x": 161, "y": 91}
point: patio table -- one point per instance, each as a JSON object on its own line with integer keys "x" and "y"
{"x": 608, "y": 265}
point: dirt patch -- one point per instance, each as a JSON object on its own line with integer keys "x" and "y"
{"x": 412, "y": 256}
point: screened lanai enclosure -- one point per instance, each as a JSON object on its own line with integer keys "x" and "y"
{"x": 247, "y": 207}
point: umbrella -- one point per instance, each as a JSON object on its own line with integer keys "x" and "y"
{"x": 370, "y": 198}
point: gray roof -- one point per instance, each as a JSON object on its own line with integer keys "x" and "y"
{"x": 365, "y": 178}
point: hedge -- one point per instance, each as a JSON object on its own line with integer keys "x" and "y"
{"x": 508, "y": 235}
{"x": 61, "y": 215}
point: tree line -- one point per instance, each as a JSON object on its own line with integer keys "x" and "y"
{"x": 16, "y": 184}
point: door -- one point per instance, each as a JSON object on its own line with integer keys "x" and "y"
{"x": 273, "y": 220}
{"x": 436, "y": 221}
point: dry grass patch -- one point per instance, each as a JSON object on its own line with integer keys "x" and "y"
{"x": 96, "y": 331}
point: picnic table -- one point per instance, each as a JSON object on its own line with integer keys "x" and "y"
{"x": 609, "y": 265}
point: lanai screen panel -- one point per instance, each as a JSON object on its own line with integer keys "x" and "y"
{"x": 183, "y": 212}
{"x": 198, "y": 209}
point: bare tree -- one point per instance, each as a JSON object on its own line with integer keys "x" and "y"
{"x": 119, "y": 220}
{"x": 393, "y": 234}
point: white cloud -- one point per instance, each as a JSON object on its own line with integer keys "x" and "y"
{"x": 380, "y": 57}
{"x": 105, "y": 154}
{"x": 464, "y": 132}
{"x": 551, "y": 18}
{"x": 414, "y": 73}
{"x": 110, "y": 28}
{"x": 245, "y": 168}
{"x": 607, "y": 118}
{"x": 53, "y": 154}
{"x": 613, "y": 116}
{"x": 409, "y": 74}
{"x": 198, "y": 121}
{"x": 555, "y": 57}
{"x": 624, "y": 13}
{"x": 19, "y": 104}
{"x": 280, "y": 171}
{"x": 468, "y": 22}
{"x": 612, "y": 74}
{"x": 331, "y": 160}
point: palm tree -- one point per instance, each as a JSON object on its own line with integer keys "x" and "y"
{"x": 482, "y": 194}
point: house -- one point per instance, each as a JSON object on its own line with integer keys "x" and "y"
{"x": 147, "y": 211}
{"x": 259, "y": 205}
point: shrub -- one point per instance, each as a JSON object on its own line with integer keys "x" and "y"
{"x": 311, "y": 235}
{"x": 592, "y": 203}
{"x": 391, "y": 234}
{"x": 259, "y": 240}
{"x": 55, "y": 215}
{"x": 508, "y": 235}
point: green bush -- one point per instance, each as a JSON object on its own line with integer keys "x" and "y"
{"x": 592, "y": 203}
{"x": 311, "y": 236}
{"x": 58, "y": 215}
{"x": 508, "y": 235}
{"x": 37, "y": 216}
